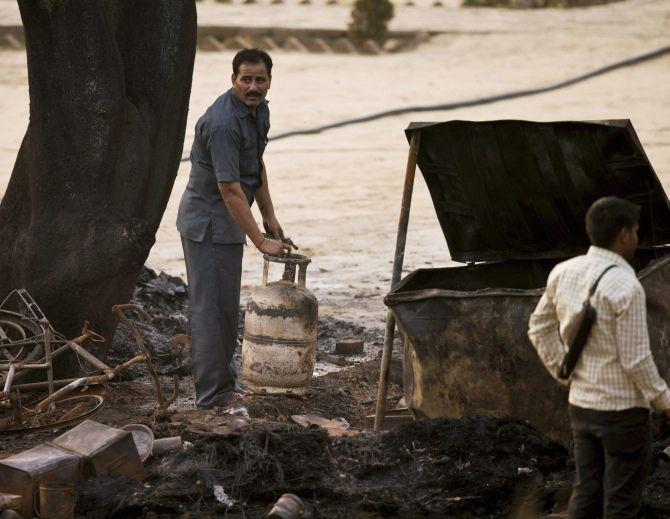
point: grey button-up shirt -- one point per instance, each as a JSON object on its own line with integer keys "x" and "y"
{"x": 228, "y": 147}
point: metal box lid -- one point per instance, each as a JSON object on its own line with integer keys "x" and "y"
{"x": 41, "y": 459}
{"x": 107, "y": 451}
{"x": 521, "y": 189}
{"x": 88, "y": 438}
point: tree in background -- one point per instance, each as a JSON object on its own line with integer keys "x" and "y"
{"x": 109, "y": 85}
{"x": 369, "y": 20}
{"x": 528, "y": 4}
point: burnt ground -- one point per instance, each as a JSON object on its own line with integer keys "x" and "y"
{"x": 452, "y": 468}
{"x": 475, "y": 467}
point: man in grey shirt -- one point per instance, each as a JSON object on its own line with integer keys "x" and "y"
{"x": 227, "y": 174}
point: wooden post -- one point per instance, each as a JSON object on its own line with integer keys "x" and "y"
{"x": 384, "y": 369}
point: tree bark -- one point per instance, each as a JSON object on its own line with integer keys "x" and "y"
{"x": 109, "y": 89}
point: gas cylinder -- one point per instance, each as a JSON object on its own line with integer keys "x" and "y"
{"x": 279, "y": 346}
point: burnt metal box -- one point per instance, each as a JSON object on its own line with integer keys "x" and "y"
{"x": 511, "y": 197}
{"x": 21, "y": 474}
{"x": 106, "y": 451}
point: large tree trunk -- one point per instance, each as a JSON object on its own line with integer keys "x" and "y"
{"x": 109, "y": 90}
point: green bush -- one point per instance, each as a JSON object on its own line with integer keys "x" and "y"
{"x": 369, "y": 20}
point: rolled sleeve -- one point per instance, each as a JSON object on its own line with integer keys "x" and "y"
{"x": 632, "y": 339}
{"x": 224, "y": 147}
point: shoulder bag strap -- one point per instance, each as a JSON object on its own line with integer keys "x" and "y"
{"x": 579, "y": 335}
{"x": 595, "y": 285}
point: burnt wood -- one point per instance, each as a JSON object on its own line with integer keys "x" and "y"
{"x": 109, "y": 89}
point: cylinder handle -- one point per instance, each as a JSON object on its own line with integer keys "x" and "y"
{"x": 290, "y": 262}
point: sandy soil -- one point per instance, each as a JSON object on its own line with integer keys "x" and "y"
{"x": 338, "y": 194}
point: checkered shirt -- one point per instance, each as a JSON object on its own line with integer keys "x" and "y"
{"x": 616, "y": 370}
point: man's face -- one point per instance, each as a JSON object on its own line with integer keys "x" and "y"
{"x": 628, "y": 241}
{"x": 252, "y": 83}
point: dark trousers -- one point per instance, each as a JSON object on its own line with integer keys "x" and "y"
{"x": 214, "y": 274}
{"x": 612, "y": 455}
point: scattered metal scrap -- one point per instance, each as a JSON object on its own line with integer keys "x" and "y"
{"x": 29, "y": 342}
{"x": 311, "y": 420}
{"x": 67, "y": 411}
{"x": 25, "y": 333}
{"x": 222, "y": 426}
{"x": 51, "y": 470}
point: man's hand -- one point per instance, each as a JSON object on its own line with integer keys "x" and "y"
{"x": 274, "y": 230}
{"x": 273, "y": 247}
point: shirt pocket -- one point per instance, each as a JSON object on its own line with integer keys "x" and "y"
{"x": 249, "y": 158}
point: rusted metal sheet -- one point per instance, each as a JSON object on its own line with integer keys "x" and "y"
{"x": 279, "y": 347}
{"x": 521, "y": 189}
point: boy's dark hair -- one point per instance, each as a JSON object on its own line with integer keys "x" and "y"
{"x": 252, "y": 56}
{"x": 607, "y": 216}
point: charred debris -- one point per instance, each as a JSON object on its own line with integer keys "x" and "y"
{"x": 241, "y": 464}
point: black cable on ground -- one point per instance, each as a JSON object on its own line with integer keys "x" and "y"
{"x": 635, "y": 60}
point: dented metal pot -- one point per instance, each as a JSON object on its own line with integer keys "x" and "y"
{"x": 143, "y": 438}
{"x": 279, "y": 347}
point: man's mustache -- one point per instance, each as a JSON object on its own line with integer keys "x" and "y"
{"x": 252, "y": 95}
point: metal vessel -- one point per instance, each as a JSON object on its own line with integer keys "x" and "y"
{"x": 22, "y": 474}
{"x": 279, "y": 347}
{"x": 511, "y": 197}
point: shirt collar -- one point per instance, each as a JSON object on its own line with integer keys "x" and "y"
{"x": 240, "y": 108}
{"x": 608, "y": 255}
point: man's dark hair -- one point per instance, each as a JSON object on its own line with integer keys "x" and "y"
{"x": 607, "y": 216}
{"x": 252, "y": 56}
